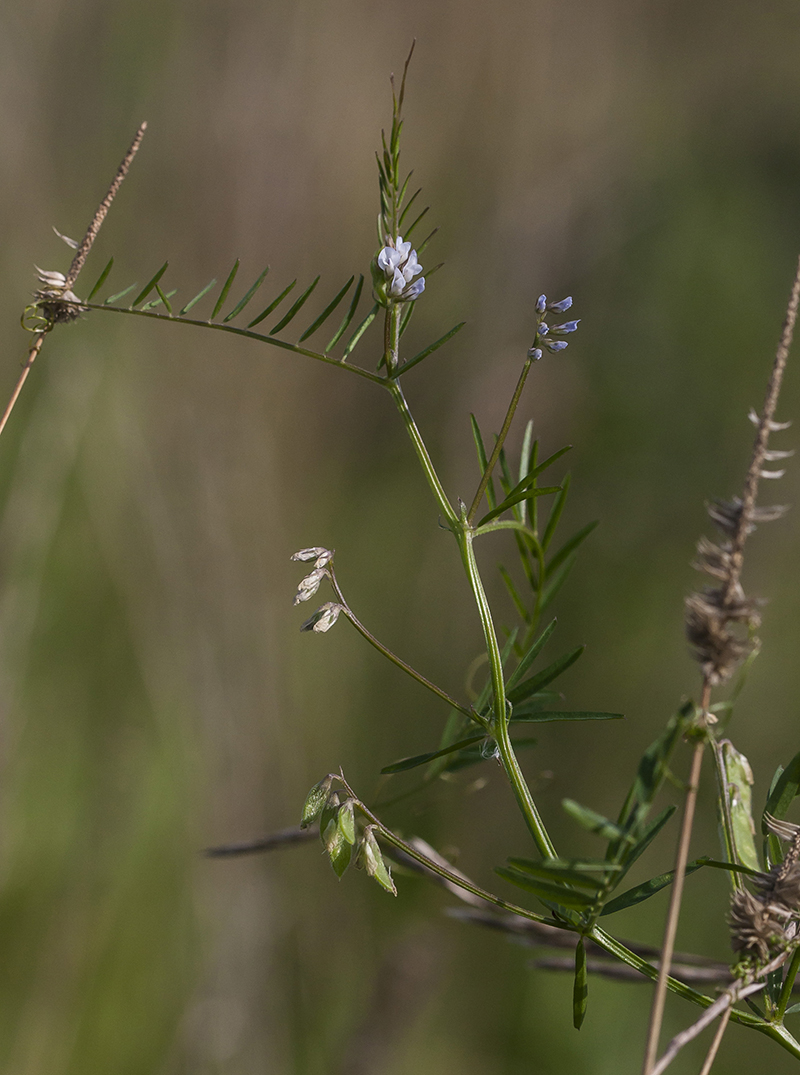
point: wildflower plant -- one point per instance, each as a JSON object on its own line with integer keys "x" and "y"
{"x": 560, "y": 893}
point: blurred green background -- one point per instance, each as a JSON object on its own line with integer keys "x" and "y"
{"x": 156, "y": 694}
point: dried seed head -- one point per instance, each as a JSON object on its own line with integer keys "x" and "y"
{"x": 755, "y": 930}
{"x": 57, "y": 302}
{"x": 709, "y": 628}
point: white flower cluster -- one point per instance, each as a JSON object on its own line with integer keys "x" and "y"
{"x": 399, "y": 265}
{"x": 326, "y": 615}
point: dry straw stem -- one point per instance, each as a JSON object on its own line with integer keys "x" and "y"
{"x": 81, "y": 254}
{"x": 735, "y": 560}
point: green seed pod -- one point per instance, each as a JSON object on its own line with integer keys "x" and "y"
{"x": 315, "y": 802}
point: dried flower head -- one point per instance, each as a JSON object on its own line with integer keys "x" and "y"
{"x": 309, "y": 585}
{"x": 56, "y": 301}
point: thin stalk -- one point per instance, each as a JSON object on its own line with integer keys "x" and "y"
{"x": 676, "y": 895}
{"x": 26, "y": 368}
{"x": 422, "y": 452}
{"x": 512, "y": 407}
{"x": 459, "y": 880}
{"x": 500, "y": 728}
{"x": 398, "y": 661}
{"x": 241, "y": 332}
{"x": 788, "y": 985}
{"x": 722, "y": 1026}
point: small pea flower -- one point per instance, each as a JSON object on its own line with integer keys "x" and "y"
{"x": 562, "y": 330}
{"x": 554, "y": 346}
{"x": 318, "y": 553}
{"x": 323, "y": 619}
{"x": 394, "y": 270}
{"x": 535, "y": 353}
{"x": 541, "y": 304}
{"x": 562, "y": 306}
{"x": 309, "y": 585}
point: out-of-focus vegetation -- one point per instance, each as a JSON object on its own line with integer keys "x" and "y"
{"x": 156, "y": 695}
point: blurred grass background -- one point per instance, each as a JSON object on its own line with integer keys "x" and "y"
{"x": 156, "y": 694}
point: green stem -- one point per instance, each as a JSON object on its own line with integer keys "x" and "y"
{"x": 422, "y": 453}
{"x": 512, "y": 407}
{"x": 500, "y": 727}
{"x": 788, "y": 985}
{"x": 242, "y": 332}
{"x": 398, "y": 661}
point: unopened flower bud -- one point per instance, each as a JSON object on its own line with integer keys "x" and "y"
{"x": 541, "y": 304}
{"x": 543, "y": 329}
{"x": 555, "y": 345}
{"x": 535, "y": 353}
{"x": 323, "y": 619}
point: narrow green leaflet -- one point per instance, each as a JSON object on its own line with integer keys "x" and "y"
{"x": 422, "y": 759}
{"x": 430, "y": 349}
{"x": 515, "y": 597}
{"x": 100, "y": 280}
{"x": 650, "y": 833}
{"x": 323, "y": 317}
{"x": 119, "y": 295}
{"x": 580, "y": 989}
{"x": 556, "y": 581}
{"x": 530, "y": 656}
{"x": 785, "y": 789}
{"x": 547, "y": 675}
{"x": 570, "y": 546}
{"x": 225, "y": 289}
{"x": 594, "y": 822}
{"x": 482, "y": 460}
{"x": 555, "y": 511}
{"x": 163, "y": 298}
{"x": 295, "y": 308}
{"x": 647, "y": 889}
{"x": 517, "y": 498}
{"x": 543, "y": 716}
{"x": 272, "y": 306}
{"x": 240, "y": 305}
{"x": 552, "y": 893}
{"x": 359, "y": 332}
{"x": 348, "y": 317}
{"x": 148, "y": 287}
{"x": 575, "y": 872}
{"x": 197, "y": 298}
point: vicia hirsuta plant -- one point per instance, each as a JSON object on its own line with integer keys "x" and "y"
{"x": 573, "y": 894}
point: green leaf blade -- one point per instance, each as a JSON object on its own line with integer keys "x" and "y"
{"x": 148, "y": 287}
{"x": 225, "y": 289}
{"x": 323, "y": 317}
{"x": 100, "y": 280}
{"x": 240, "y": 305}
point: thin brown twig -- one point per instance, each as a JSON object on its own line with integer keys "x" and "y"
{"x": 26, "y": 368}
{"x": 671, "y": 928}
{"x": 91, "y": 232}
{"x": 731, "y": 588}
{"x": 78, "y": 260}
{"x": 763, "y": 431}
{"x": 715, "y": 1044}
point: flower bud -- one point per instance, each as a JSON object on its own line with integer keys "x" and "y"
{"x": 541, "y": 304}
